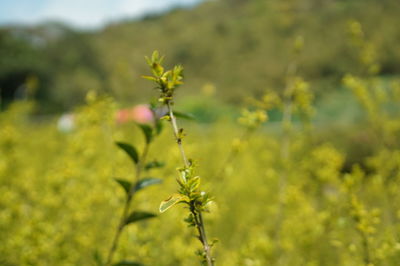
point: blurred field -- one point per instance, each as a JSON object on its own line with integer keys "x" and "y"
{"x": 318, "y": 188}
{"x": 60, "y": 204}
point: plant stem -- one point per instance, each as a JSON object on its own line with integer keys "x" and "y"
{"x": 176, "y": 134}
{"x": 285, "y": 148}
{"x": 117, "y": 234}
{"x": 366, "y": 257}
{"x": 284, "y": 157}
{"x": 198, "y": 218}
{"x": 128, "y": 201}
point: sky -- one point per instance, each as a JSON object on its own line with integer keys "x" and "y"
{"x": 81, "y": 13}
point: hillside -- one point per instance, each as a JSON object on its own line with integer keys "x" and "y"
{"x": 246, "y": 47}
{"x": 241, "y": 47}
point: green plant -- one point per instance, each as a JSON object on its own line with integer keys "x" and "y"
{"x": 131, "y": 188}
{"x": 295, "y": 99}
{"x": 251, "y": 121}
{"x": 189, "y": 191}
{"x": 377, "y": 96}
{"x": 365, "y": 221}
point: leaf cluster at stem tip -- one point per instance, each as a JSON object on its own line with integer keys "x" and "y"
{"x": 167, "y": 81}
{"x": 188, "y": 192}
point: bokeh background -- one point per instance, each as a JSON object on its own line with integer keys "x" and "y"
{"x": 240, "y": 47}
{"x": 317, "y": 188}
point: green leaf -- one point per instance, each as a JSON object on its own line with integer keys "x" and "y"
{"x": 128, "y": 263}
{"x": 184, "y": 115}
{"x": 149, "y": 78}
{"x": 97, "y": 258}
{"x": 194, "y": 183}
{"x": 155, "y": 56}
{"x": 138, "y": 216}
{"x": 148, "y": 60}
{"x": 147, "y": 131}
{"x": 126, "y": 185}
{"x": 159, "y": 127}
{"x": 172, "y": 200}
{"x": 157, "y": 69}
{"x": 154, "y": 164}
{"x": 145, "y": 182}
{"x": 130, "y": 150}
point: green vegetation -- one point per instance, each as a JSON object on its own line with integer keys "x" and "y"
{"x": 61, "y": 206}
{"x": 189, "y": 184}
{"x": 306, "y": 173}
{"x": 131, "y": 188}
{"x": 241, "y": 47}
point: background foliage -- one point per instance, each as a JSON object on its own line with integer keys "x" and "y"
{"x": 59, "y": 204}
{"x": 240, "y": 46}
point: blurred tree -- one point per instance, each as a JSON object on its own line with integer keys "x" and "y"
{"x": 19, "y": 60}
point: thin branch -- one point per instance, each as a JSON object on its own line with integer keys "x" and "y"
{"x": 197, "y": 215}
